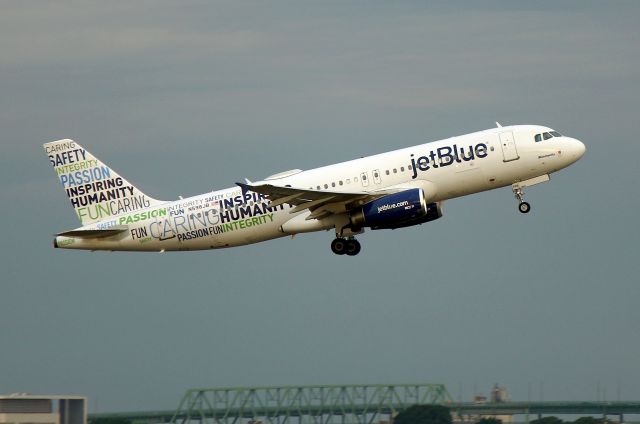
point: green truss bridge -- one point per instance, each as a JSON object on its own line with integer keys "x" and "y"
{"x": 348, "y": 404}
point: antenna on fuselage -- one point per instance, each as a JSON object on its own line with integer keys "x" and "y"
{"x": 498, "y": 124}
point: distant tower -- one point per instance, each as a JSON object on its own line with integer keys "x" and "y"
{"x": 499, "y": 394}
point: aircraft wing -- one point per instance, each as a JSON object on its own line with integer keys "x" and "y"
{"x": 320, "y": 203}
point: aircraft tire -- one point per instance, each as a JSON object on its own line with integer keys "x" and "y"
{"x": 339, "y": 246}
{"x": 524, "y": 207}
{"x": 353, "y": 247}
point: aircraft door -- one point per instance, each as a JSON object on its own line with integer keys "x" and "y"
{"x": 508, "y": 145}
{"x": 364, "y": 177}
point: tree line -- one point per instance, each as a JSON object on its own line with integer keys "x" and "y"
{"x": 437, "y": 414}
{"x": 424, "y": 414}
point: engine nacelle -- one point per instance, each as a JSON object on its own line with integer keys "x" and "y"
{"x": 396, "y": 211}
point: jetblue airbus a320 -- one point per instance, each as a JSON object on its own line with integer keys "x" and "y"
{"x": 401, "y": 188}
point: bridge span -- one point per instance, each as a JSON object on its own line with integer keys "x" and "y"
{"x": 346, "y": 404}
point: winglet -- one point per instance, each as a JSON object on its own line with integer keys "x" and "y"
{"x": 244, "y": 187}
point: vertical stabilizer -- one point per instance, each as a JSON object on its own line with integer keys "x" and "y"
{"x": 96, "y": 191}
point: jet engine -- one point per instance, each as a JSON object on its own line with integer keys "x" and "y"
{"x": 396, "y": 210}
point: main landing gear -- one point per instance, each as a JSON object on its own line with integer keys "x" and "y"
{"x": 349, "y": 246}
{"x": 523, "y": 206}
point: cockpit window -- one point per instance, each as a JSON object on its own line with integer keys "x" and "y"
{"x": 547, "y": 135}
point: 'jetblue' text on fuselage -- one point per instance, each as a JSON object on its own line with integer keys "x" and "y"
{"x": 446, "y": 155}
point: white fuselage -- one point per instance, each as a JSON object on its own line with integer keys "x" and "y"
{"x": 444, "y": 169}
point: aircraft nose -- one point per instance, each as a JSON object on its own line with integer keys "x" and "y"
{"x": 577, "y": 148}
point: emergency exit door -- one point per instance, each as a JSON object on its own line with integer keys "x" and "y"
{"x": 508, "y": 145}
{"x": 364, "y": 178}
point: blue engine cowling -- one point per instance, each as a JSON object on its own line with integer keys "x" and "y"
{"x": 396, "y": 211}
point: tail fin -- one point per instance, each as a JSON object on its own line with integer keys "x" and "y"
{"x": 96, "y": 191}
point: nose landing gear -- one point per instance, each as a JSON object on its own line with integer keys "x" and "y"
{"x": 517, "y": 187}
{"x": 349, "y": 246}
{"x": 523, "y": 206}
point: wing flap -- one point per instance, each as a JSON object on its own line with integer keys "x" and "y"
{"x": 312, "y": 204}
{"x": 285, "y": 199}
{"x": 318, "y": 214}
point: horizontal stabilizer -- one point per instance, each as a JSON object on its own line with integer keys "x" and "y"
{"x": 94, "y": 233}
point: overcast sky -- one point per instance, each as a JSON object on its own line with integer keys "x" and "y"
{"x": 186, "y": 97}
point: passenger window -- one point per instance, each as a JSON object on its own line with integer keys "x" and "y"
{"x": 326, "y": 186}
{"x": 387, "y": 172}
{"x": 375, "y": 174}
{"x": 364, "y": 177}
{"x": 409, "y": 167}
{"x": 333, "y": 184}
{"x": 546, "y": 136}
{"x": 402, "y": 169}
{"x": 395, "y": 171}
{"x": 318, "y": 187}
{"x": 340, "y": 182}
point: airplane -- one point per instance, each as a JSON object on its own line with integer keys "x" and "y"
{"x": 397, "y": 189}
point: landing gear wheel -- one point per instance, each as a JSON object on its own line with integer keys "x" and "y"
{"x": 339, "y": 246}
{"x": 524, "y": 207}
{"x": 353, "y": 247}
